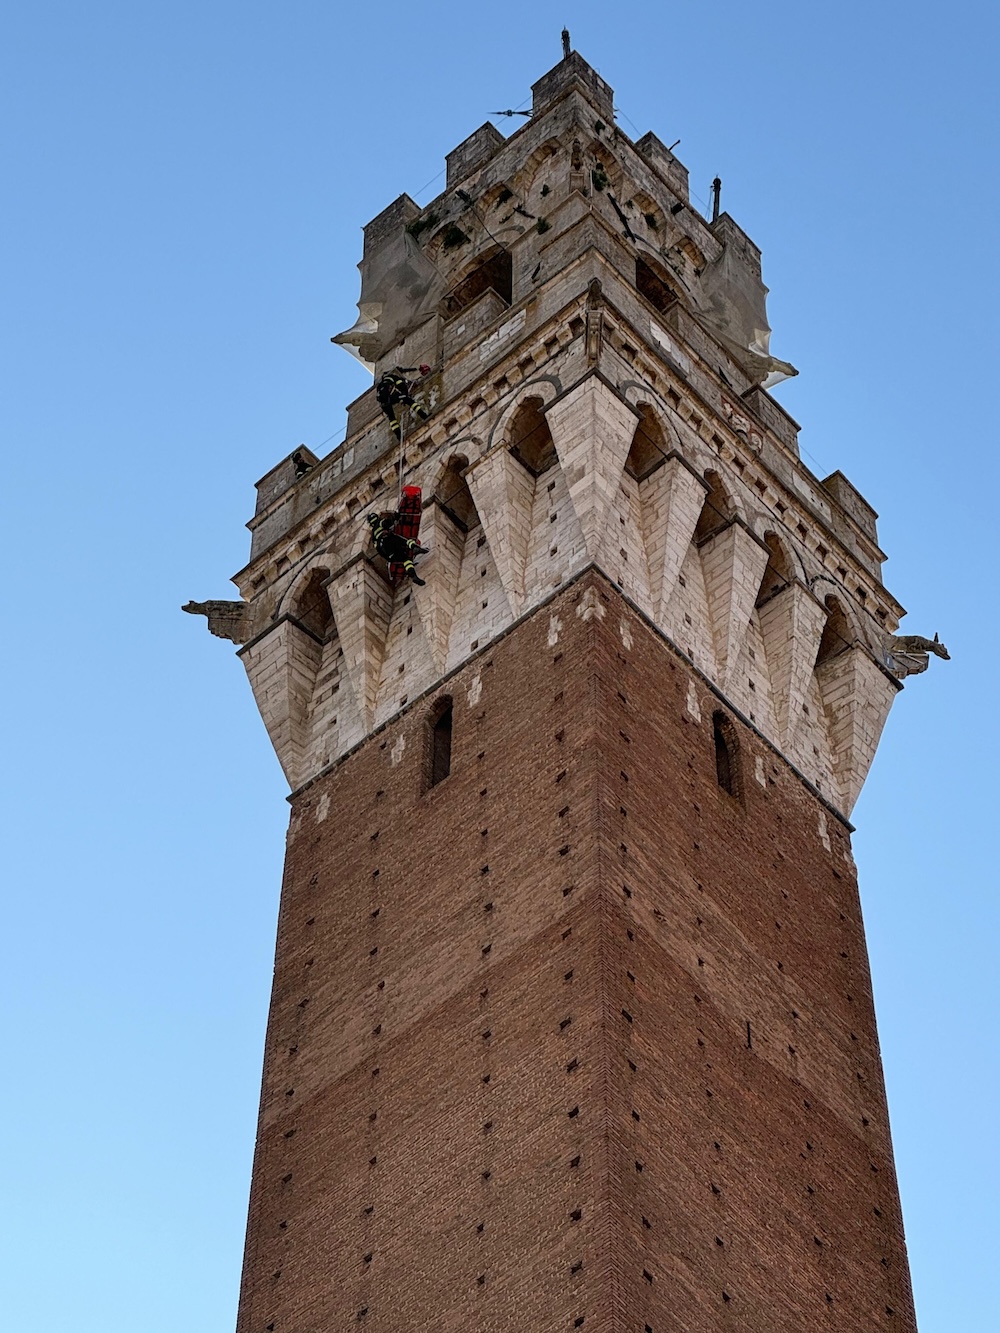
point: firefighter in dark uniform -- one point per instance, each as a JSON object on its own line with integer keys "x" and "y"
{"x": 394, "y": 391}
{"x": 394, "y": 549}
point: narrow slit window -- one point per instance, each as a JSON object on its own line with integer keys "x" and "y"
{"x": 726, "y": 754}
{"x": 441, "y": 743}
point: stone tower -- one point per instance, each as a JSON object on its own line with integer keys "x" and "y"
{"x": 571, "y": 1023}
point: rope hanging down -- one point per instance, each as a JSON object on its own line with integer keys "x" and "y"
{"x": 402, "y": 453}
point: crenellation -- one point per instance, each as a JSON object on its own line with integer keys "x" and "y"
{"x": 853, "y": 503}
{"x": 283, "y": 476}
{"x": 674, "y": 174}
{"x": 384, "y": 225}
{"x": 472, "y": 153}
{"x": 573, "y": 72}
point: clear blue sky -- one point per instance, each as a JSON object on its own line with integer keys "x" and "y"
{"x": 185, "y": 188}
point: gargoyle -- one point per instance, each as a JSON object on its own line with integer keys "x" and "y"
{"x": 908, "y": 653}
{"x": 226, "y": 620}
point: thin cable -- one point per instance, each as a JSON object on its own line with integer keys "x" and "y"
{"x": 468, "y": 200}
{"x": 822, "y": 466}
{"x": 402, "y": 431}
{"x": 516, "y": 108}
{"x": 316, "y": 447}
{"x": 619, "y": 110}
{"x": 432, "y": 180}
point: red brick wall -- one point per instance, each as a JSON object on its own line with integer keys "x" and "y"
{"x": 507, "y": 1054}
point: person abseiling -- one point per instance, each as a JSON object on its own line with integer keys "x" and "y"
{"x": 394, "y": 391}
{"x": 394, "y": 549}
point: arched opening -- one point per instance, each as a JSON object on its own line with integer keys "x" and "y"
{"x": 778, "y": 573}
{"x": 650, "y": 212}
{"x": 650, "y": 284}
{"x": 727, "y": 754}
{"x": 453, "y": 495}
{"x": 495, "y": 273}
{"x": 649, "y": 445}
{"x": 837, "y": 632}
{"x": 440, "y": 741}
{"x": 537, "y": 162}
{"x": 529, "y": 438}
{"x": 311, "y": 607}
{"x": 717, "y": 510}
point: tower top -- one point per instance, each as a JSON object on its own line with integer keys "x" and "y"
{"x": 596, "y": 396}
{"x": 572, "y": 71}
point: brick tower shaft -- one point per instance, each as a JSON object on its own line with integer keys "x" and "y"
{"x": 575, "y": 1032}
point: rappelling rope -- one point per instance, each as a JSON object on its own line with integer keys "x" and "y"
{"x": 399, "y": 470}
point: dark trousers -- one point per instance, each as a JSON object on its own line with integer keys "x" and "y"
{"x": 393, "y": 548}
{"x": 391, "y": 398}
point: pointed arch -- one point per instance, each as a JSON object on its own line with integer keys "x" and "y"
{"x": 652, "y": 214}
{"x": 545, "y": 387}
{"x": 529, "y": 439}
{"x": 838, "y": 633}
{"x": 539, "y": 158}
{"x": 606, "y": 163}
{"x": 448, "y": 242}
{"x": 310, "y": 604}
{"x": 453, "y": 495}
{"x": 440, "y": 722}
{"x": 779, "y": 571}
{"x": 649, "y": 445}
{"x": 652, "y": 283}
{"x": 717, "y": 510}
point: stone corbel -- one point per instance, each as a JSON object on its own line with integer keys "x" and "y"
{"x": 671, "y": 500}
{"x": 594, "y": 321}
{"x": 791, "y": 623}
{"x": 592, "y": 427}
{"x": 442, "y": 570}
{"x": 226, "y": 620}
{"x": 281, "y": 664}
{"x": 503, "y": 492}
{"x": 733, "y": 560}
{"x": 857, "y": 693}
{"x": 361, "y": 601}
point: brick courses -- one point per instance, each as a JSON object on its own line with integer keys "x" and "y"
{"x": 426, "y": 1102}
